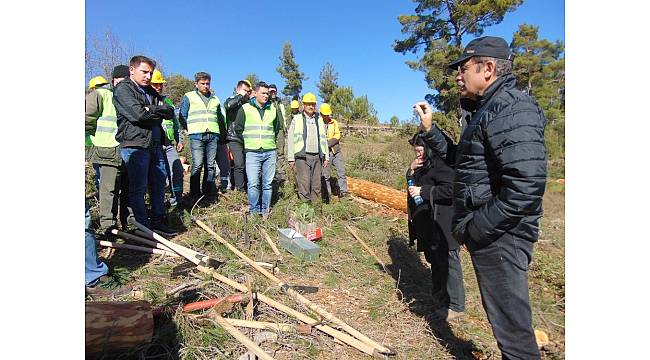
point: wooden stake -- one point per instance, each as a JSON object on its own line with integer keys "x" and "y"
{"x": 136, "y": 248}
{"x": 296, "y": 295}
{"x": 368, "y": 249}
{"x": 336, "y": 334}
{"x": 268, "y": 240}
{"x": 253, "y": 347}
{"x": 194, "y": 256}
{"x": 266, "y": 325}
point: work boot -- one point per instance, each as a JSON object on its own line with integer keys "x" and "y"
{"x": 448, "y": 315}
{"x": 102, "y": 288}
{"x": 163, "y": 229}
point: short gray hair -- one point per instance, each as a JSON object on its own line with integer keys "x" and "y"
{"x": 503, "y": 66}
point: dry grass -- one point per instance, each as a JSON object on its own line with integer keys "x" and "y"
{"x": 393, "y": 310}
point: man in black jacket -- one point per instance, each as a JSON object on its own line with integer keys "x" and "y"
{"x": 140, "y": 112}
{"x": 235, "y": 144}
{"x": 500, "y": 178}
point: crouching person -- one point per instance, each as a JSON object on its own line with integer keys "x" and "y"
{"x": 430, "y": 213}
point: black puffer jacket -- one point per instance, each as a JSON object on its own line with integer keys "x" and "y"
{"x": 500, "y": 167}
{"x": 232, "y": 105}
{"x": 134, "y": 122}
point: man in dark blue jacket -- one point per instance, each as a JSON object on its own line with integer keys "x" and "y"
{"x": 500, "y": 178}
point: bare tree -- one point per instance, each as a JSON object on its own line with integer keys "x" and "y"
{"x": 104, "y": 52}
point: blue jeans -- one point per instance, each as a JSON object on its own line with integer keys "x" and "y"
{"x": 174, "y": 171}
{"x": 502, "y": 274}
{"x": 256, "y": 163}
{"x": 146, "y": 168}
{"x": 204, "y": 151}
{"x": 94, "y": 268}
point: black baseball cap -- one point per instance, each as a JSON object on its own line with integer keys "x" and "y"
{"x": 120, "y": 71}
{"x": 272, "y": 86}
{"x": 490, "y": 46}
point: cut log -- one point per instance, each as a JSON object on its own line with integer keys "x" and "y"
{"x": 116, "y": 327}
{"x": 378, "y": 193}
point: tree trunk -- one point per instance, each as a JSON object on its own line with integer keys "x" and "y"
{"x": 114, "y": 327}
{"x": 378, "y": 193}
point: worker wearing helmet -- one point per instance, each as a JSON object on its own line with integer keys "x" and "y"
{"x": 104, "y": 153}
{"x": 336, "y": 156}
{"x": 307, "y": 149}
{"x": 171, "y": 128}
{"x": 295, "y": 108}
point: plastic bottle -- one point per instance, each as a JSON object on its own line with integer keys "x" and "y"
{"x": 418, "y": 199}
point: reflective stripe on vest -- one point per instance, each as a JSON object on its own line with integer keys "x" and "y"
{"x": 107, "y": 122}
{"x": 300, "y": 136}
{"x": 259, "y": 133}
{"x": 201, "y": 118}
{"x": 168, "y": 124}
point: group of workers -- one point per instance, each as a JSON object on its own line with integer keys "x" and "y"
{"x": 483, "y": 193}
{"x": 134, "y": 135}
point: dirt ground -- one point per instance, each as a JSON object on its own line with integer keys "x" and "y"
{"x": 391, "y": 308}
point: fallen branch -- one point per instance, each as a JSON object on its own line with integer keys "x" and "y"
{"x": 336, "y": 334}
{"x": 368, "y": 249}
{"x": 136, "y": 248}
{"x": 297, "y": 296}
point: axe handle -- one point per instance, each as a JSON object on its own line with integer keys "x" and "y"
{"x": 189, "y": 254}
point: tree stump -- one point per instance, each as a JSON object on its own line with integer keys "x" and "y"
{"x": 378, "y": 193}
{"x": 113, "y": 327}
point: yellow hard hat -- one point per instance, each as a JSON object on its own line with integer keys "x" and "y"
{"x": 309, "y": 98}
{"x": 157, "y": 77}
{"x": 325, "y": 109}
{"x": 248, "y": 82}
{"x": 295, "y": 104}
{"x": 97, "y": 80}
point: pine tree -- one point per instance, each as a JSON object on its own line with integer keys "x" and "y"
{"x": 327, "y": 82}
{"x": 341, "y": 102}
{"x": 439, "y": 27}
{"x": 539, "y": 68}
{"x": 288, "y": 69}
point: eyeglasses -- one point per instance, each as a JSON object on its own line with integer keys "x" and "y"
{"x": 462, "y": 69}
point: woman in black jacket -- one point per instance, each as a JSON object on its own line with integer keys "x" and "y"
{"x": 430, "y": 225}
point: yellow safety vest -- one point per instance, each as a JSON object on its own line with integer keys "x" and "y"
{"x": 202, "y": 118}
{"x": 168, "y": 124}
{"x": 106, "y": 123}
{"x": 259, "y": 133}
{"x": 300, "y": 136}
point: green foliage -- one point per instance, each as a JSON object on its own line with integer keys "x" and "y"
{"x": 176, "y": 86}
{"x": 288, "y": 69}
{"x": 253, "y": 79}
{"x": 305, "y": 213}
{"x": 394, "y": 121}
{"x": 439, "y": 26}
{"x": 341, "y": 102}
{"x": 364, "y": 111}
{"x": 327, "y": 82}
{"x": 539, "y": 68}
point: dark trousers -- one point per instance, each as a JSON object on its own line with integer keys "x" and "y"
{"x": 204, "y": 152}
{"x": 239, "y": 168}
{"x": 308, "y": 177}
{"x": 502, "y": 273}
{"x": 447, "y": 277}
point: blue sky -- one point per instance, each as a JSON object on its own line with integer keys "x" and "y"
{"x": 230, "y": 39}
